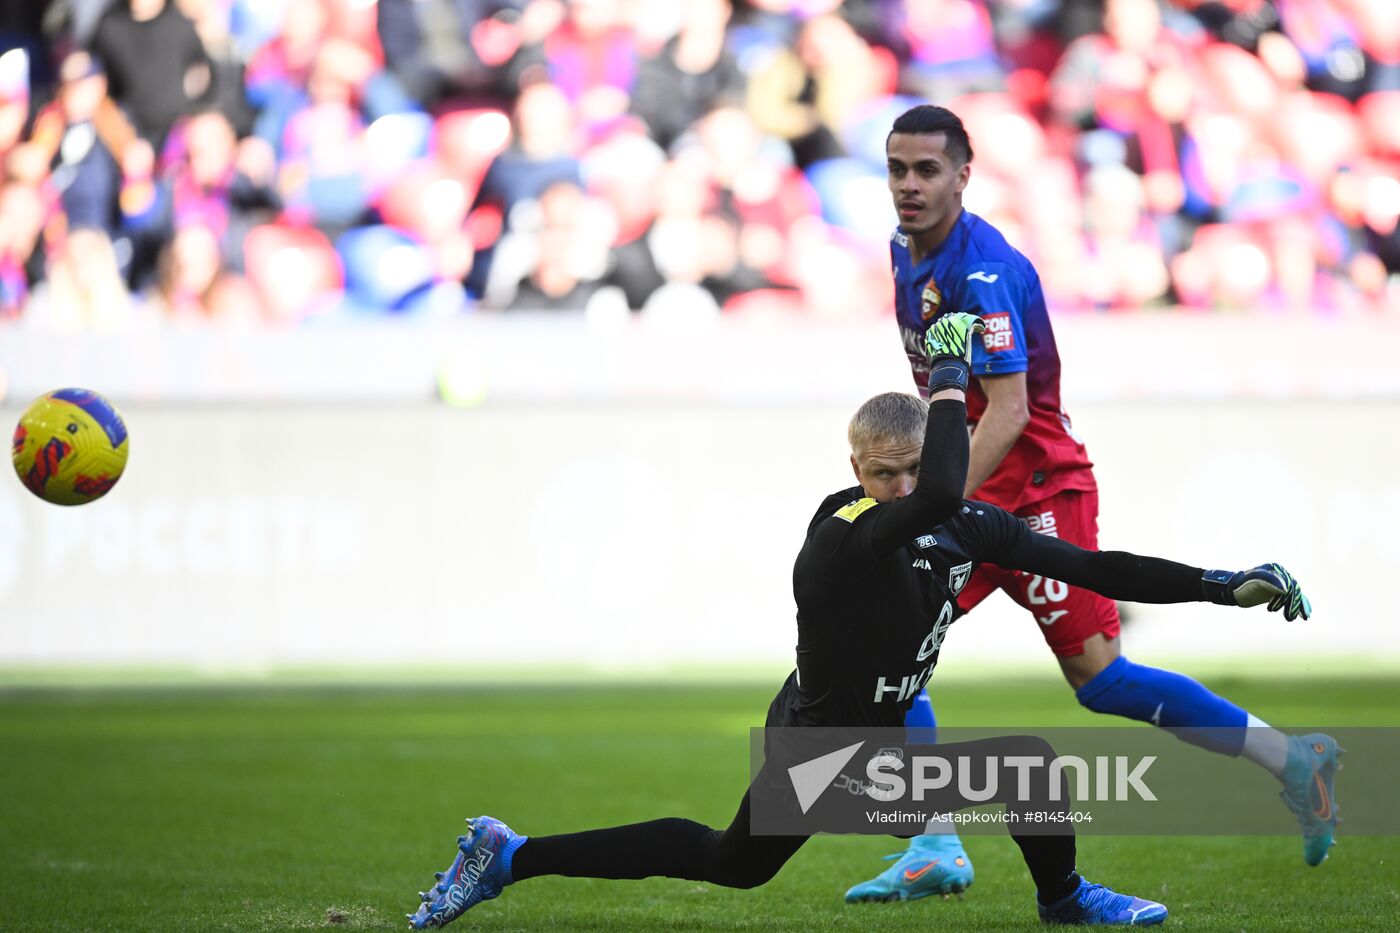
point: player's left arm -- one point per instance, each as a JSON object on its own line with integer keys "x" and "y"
{"x": 997, "y": 292}
{"x": 1003, "y": 539}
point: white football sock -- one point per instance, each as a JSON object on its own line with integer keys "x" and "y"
{"x": 1265, "y": 746}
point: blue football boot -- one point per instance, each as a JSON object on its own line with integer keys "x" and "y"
{"x": 1307, "y": 791}
{"x": 478, "y": 873}
{"x": 1094, "y": 904}
{"x": 931, "y": 865}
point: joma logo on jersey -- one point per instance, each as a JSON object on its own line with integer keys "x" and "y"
{"x": 931, "y": 301}
{"x": 999, "y": 335}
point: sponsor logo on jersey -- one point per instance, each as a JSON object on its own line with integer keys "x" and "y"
{"x": 905, "y": 687}
{"x": 980, "y": 276}
{"x": 849, "y": 513}
{"x": 922, "y": 564}
{"x": 931, "y": 302}
{"x": 899, "y": 237}
{"x": 998, "y": 335}
{"x": 925, "y": 542}
{"x": 913, "y": 343}
{"x": 958, "y": 577}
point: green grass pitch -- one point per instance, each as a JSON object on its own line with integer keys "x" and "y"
{"x": 327, "y": 808}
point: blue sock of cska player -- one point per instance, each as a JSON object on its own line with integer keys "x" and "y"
{"x": 920, "y": 723}
{"x": 1172, "y": 701}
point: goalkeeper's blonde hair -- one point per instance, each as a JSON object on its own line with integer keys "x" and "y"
{"x": 890, "y": 416}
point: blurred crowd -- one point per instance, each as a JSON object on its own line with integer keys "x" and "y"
{"x": 271, "y": 162}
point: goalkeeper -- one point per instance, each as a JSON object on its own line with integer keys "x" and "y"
{"x": 876, "y": 584}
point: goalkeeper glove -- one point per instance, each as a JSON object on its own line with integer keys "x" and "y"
{"x": 1267, "y": 583}
{"x": 948, "y": 344}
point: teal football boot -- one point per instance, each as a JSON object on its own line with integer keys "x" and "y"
{"x": 931, "y": 865}
{"x": 1307, "y": 791}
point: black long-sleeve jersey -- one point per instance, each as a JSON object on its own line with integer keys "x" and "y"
{"x": 877, "y": 585}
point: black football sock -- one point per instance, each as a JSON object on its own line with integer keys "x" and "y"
{"x": 1051, "y": 863}
{"x": 673, "y": 848}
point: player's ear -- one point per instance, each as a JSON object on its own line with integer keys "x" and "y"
{"x": 964, "y": 173}
{"x": 855, "y": 468}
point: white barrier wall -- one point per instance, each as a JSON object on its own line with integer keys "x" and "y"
{"x": 753, "y": 360}
{"x": 628, "y": 536}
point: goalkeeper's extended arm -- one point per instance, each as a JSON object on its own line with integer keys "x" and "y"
{"x": 1135, "y": 578}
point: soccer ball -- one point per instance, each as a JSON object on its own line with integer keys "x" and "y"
{"x": 70, "y": 447}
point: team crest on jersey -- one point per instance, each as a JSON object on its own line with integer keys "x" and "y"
{"x": 957, "y": 577}
{"x": 932, "y": 301}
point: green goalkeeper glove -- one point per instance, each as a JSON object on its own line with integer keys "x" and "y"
{"x": 948, "y": 343}
{"x": 1267, "y": 583}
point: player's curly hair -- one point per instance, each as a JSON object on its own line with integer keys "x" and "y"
{"x": 888, "y": 416}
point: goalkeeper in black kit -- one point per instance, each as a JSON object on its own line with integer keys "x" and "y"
{"x": 880, "y": 561}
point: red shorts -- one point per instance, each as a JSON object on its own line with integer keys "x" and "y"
{"x": 1066, "y": 615}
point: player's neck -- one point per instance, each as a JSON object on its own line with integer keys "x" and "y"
{"x": 922, "y": 244}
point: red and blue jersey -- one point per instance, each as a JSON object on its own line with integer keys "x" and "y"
{"x": 977, "y": 271}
